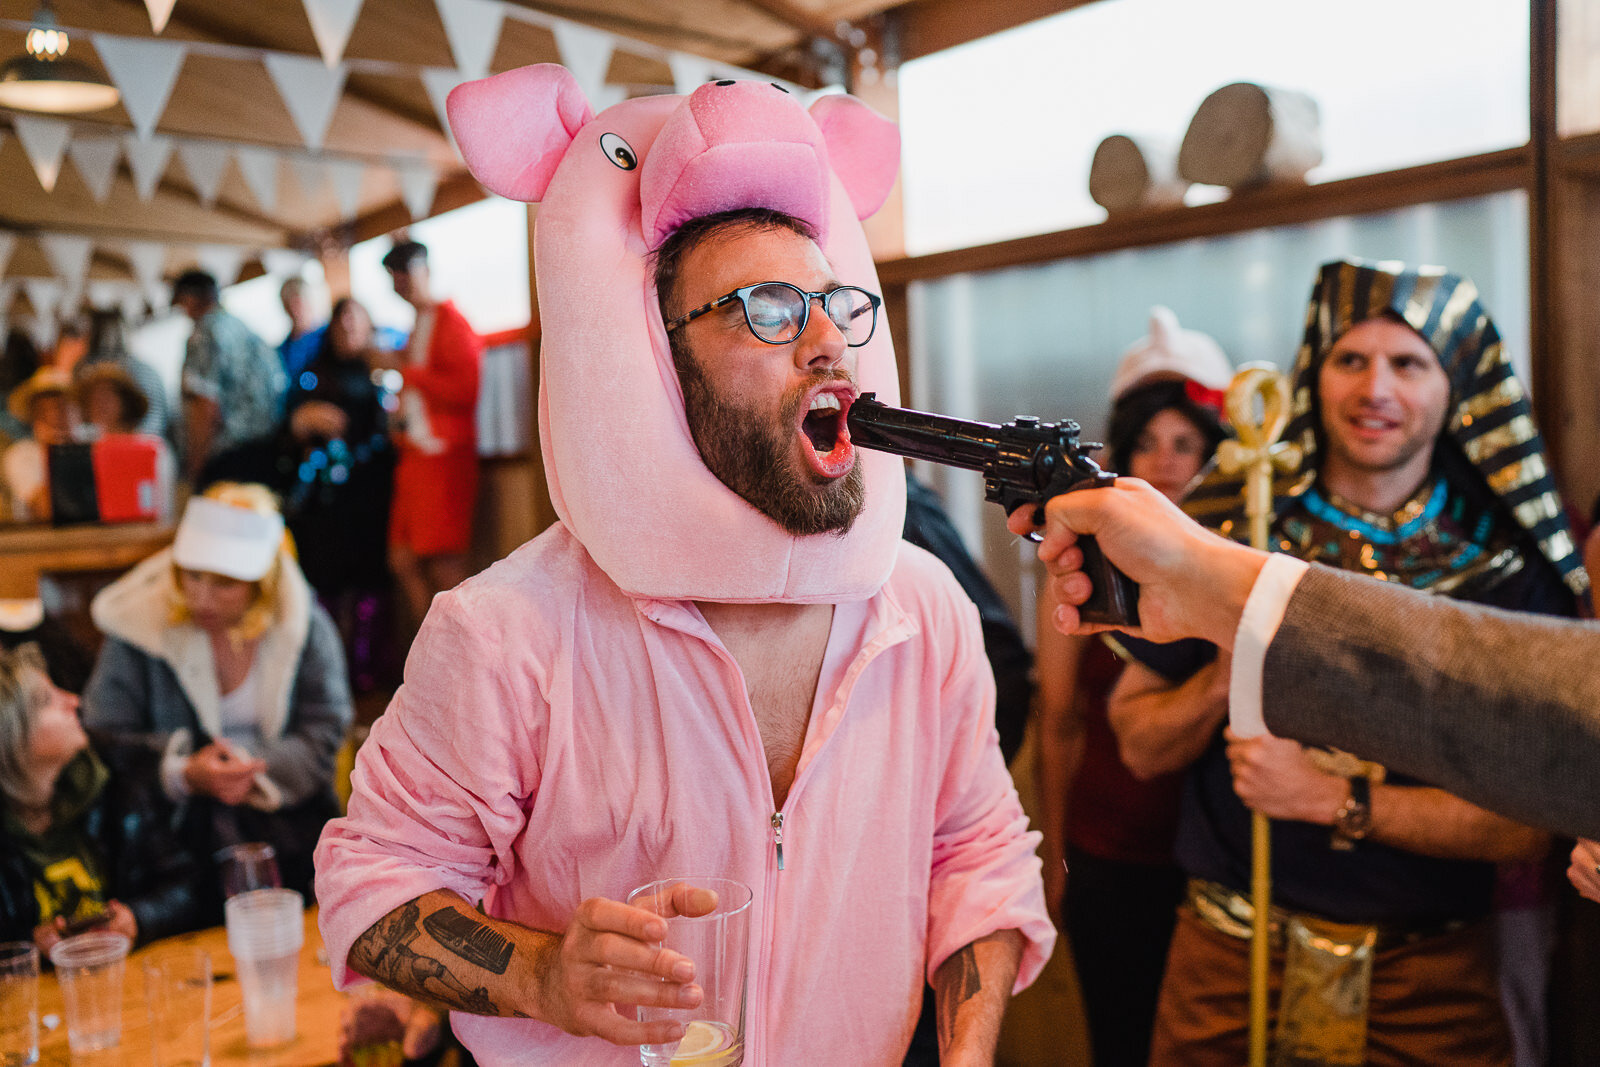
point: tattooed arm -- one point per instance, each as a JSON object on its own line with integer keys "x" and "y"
{"x": 585, "y": 980}
{"x": 970, "y": 992}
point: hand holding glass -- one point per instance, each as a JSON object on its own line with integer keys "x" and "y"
{"x": 708, "y": 920}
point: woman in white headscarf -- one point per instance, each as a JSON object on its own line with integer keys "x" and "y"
{"x": 218, "y": 646}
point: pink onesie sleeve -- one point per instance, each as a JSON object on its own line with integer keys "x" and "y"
{"x": 985, "y": 868}
{"x": 439, "y": 787}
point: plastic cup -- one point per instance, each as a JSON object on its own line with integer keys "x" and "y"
{"x": 177, "y": 996}
{"x": 89, "y": 968}
{"x": 19, "y": 1004}
{"x": 266, "y": 928}
{"x": 252, "y": 865}
{"x": 718, "y": 943}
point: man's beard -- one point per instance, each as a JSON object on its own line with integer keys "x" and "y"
{"x": 754, "y": 456}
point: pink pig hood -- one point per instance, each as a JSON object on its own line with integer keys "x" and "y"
{"x": 623, "y": 471}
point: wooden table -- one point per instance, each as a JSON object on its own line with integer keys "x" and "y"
{"x": 28, "y": 551}
{"x": 317, "y": 1008}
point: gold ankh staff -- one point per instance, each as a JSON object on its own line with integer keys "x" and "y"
{"x": 1256, "y": 454}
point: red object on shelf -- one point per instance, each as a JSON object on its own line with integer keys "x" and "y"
{"x": 125, "y": 477}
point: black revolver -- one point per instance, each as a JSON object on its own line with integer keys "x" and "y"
{"x": 1023, "y": 462}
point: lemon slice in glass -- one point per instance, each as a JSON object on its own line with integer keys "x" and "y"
{"x": 702, "y": 1042}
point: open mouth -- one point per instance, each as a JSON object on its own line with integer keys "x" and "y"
{"x": 824, "y": 429}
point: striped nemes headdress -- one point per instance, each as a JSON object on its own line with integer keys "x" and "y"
{"x": 1490, "y": 425}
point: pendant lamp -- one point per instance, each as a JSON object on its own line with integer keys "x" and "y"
{"x": 43, "y": 79}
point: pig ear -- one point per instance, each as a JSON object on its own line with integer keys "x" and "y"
{"x": 863, "y": 147}
{"x": 514, "y": 128}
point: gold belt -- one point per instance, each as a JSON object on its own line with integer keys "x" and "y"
{"x": 1232, "y": 913}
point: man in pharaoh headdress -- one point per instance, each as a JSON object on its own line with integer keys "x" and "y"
{"x": 1422, "y": 467}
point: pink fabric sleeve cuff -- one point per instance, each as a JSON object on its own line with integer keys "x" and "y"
{"x": 1258, "y": 625}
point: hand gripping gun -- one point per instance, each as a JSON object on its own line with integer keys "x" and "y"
{"x": 1023, "y": 462}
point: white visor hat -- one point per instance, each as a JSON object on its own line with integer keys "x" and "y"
{"x": 235, "y": 542}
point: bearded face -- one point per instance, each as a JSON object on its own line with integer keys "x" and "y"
{"x": 753, "y": 452}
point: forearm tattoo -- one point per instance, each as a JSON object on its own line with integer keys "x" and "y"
{"x": 385, "y": 953}
{"x": 469, "y": 939}
{"x": 958, "y": 981}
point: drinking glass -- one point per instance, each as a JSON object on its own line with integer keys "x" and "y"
{"x": 177, "y": 996}
{"x": 89, "y": 968}
{"x": 718, "y": 944}
{"x": 19, "y": 1003}
{"x": 252, "y": 865}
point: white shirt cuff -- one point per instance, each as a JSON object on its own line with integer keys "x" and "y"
{"x": 1258, "y": 625}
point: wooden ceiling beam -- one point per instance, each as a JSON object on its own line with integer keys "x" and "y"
{"x": 928, "y": 26}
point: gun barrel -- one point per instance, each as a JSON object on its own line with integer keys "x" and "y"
{"x": 921, "y": 435}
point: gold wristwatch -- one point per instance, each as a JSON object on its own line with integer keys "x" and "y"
{"x": 1353, "y": 821}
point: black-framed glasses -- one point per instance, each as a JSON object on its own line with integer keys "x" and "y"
{"x": 777, "y": 312}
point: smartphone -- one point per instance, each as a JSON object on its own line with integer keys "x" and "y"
{"x": 84, "y": 925}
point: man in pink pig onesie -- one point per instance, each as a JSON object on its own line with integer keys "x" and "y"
{"x": 722, "y": 660}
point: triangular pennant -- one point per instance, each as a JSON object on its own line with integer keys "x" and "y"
{"x": 260, "y": 169}
{"x": 147, "y": 159}
{"x": 309, "y": 175}
{"x": 418, "y": 184}
{"x": 160, "y": 12}
{"x": 42, "y": 329}
{"x": 310, "y": 91}
{"x": 134, "y": 306}
{"x": 346, "y": 175}
{"x": 147, "y": 260}
{"x": 96, "y": 159}
{"x": 45, "y": 296}
{"x": 205, "y": 163}
{"x": 283, "y": 262}
{"x": 71, "y": 302}
{"x": 586, "y": 52}
{"x": 222, "y": 262}
{"x": 473, "y": 27}
{"x": 108, "y": 292}
{"x": 439, "y": 81}
{"x": 8, "y": 294}
{"x": 688, "y": 72}
{"x": 8, "y": 244}
{"x": 144, "y": 71}
{"x": 69, "y": 257}
{"x": 331, "y": 23}
{"x": 45, "y": 142}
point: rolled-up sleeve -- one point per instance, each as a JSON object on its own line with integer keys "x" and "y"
{"x": 986, "y": 871}
{"x": 439, "y": 788}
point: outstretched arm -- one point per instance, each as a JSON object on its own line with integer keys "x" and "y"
{"x": 970, "y": 993}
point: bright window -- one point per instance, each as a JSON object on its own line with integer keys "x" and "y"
{"x": 999, "y": 133}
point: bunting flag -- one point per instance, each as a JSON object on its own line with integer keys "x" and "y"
{"x": 439, "y": 81}
{"x": 147, "y": 159}
{"x": 473, "y": 29}
{"x": 144, "y": 72}
{"x": 222, "y": 262}
{"x": 418, "y": 184}
{"x": 147, "y": 260}
{"x": 8, "y": 295}
{"x": 204, "y": 162}
{"x": 43, "y": 329}
{"x": 134, "y": 306}
{"x": 45, "y": 142}
{"x": 260, "y": 169}
{"x": 45, "y": 296}
{"x": 96, "y": 160}
{"x": 586, "y": 52}
{"x": 309, "y": 175}
{"x": 689, "y": 72}
{"x": 69, "y": 257}
{"x": 346, "y": 175}
{"x": 110, "y": 292}
{"x": 310, "y": 91}
{"x": 8, "y": 244}
{"x": 331, "y": 23}
{"x": 160, "y": 12}
{"x": 283, "y": 262}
